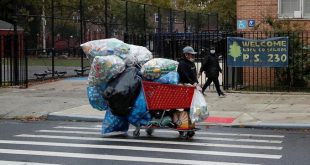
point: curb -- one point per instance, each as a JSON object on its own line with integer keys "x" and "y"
{"x": 273, "y": 126}
{"x": 74, "y": 118}
{"x": 258, "y": 125}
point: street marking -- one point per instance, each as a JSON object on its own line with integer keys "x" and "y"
{"x": 114, "y": 157}
{"x": 227, "y": 134}
{"x": 151, "y": 149}
{"x": 239, "y": 140}
{"x": 152, "y": 142}
{"x": 201, "y": 138}
{"x": 23, "y": 163}
{"x": 170, "y": 131}
{"x": 70, "y": 132}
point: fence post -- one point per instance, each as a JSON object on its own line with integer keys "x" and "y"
{"x": 170, "y": 21}
{"x": 106, "y": 18}
{"x": 159, "y": 20}
{"x": 1, "y": 56}
{"x": 81, "y": 32}
{"x": 15, "y": 52}
{"x": 185, "y": 26}
{"x": 53, "y": 40}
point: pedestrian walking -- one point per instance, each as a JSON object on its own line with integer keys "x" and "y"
{"x": 211, "y": 68}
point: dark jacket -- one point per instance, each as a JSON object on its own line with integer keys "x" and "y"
{"x": 211, "y": 66}
{"x": 187, "y": 71}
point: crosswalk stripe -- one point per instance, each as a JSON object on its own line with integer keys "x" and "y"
{"x": 153, "y": 142}
{"x": 152, "y": 149}
{"x": 22, "y": 163}
{"x": 202, "y": 138}
{"x": 170, "y": 131}
{"x": 114, "y": 157}
{"x": 240, "y": 140}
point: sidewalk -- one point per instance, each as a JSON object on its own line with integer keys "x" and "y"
{"x": 67, "y": 100}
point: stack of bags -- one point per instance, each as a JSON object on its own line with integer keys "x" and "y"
{"x": 114, "y": 81}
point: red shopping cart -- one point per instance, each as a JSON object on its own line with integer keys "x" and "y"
{"x": 169, "y": 107}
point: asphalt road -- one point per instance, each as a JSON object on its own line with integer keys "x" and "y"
{"x": 80, "y": 143}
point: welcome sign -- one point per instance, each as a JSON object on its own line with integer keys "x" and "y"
{"x": 271, "y": 52}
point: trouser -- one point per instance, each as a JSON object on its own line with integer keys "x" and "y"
{"x": 216, "y": 83}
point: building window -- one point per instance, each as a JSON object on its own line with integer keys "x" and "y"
{"x": 294, "y": 8}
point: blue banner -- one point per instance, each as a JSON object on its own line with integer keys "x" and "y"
{"x": 271, "y": 52}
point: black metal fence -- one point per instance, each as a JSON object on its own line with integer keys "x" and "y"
{"x": 295, "y": 77}
{"x": 52, "y": 34}
{"x": 52, "y": 31}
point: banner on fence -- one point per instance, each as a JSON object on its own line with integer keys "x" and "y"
{"x": 271, "y": 52}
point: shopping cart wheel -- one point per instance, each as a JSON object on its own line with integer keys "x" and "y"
{"x": 136, "y": 133}
{"x": 149, "y": 131}
{"x": 190, "y": 134}
{"x": 182, "y": 133}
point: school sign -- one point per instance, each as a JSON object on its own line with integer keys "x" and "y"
{"x": 271, "y": 52}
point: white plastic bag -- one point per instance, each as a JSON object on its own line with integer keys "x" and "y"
{"x": 140, "y": 54}
{"x": 104, "y": 68}
{"x": 198, "y": 110}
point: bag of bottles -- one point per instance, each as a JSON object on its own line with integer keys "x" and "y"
{"x": 104, "y": 68}
{"x": 198, "y": 110}
{"x": 105, "y": 47}
{"x": 154, "y": 68}
{"x": 169, "y": 78}
{"x": 95, "y": 97}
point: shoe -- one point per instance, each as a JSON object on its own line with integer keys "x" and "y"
{"x": 203, "y": 93}
{"x": 222, "y": 95}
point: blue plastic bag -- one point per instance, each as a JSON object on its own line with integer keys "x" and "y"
{"x": 112, "y": 123}
{"x": 95, "y": 97}
{"x": 169, "y": 78}
{"x": 139, "y": 112}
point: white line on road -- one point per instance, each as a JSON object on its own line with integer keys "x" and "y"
{"x": 114, "y": 157}
{"x": 201, "y": 138}
{"x": 2, "y": 162}
{"x": 151, "y": 149}
{"x": 170, "y": 131}
{"x": 153, "y": 142}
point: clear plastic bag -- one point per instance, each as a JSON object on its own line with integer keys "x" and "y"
{"x": 154, "y": 68}
{"x": 104, "y": 68}
{"x": 140, "y": 54}
{"x": 131, "y": 54}
{"x": 169, "y": 78}
{"x": 198, "y": 110}
{"x": 105, "y": 47}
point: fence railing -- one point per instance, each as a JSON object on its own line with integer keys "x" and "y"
{"x": 52, "y": 31}
{"x": 295, "y": 77}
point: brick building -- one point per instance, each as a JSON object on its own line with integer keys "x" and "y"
{"x": 7, "y": 39}
{"x": 297, "y": 12}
